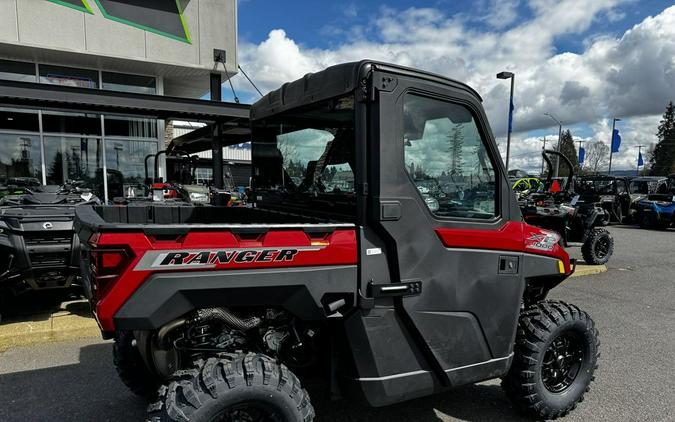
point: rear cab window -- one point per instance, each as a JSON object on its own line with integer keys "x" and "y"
{"x": 304, "y": 160}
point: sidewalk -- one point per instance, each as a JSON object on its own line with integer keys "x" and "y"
{"x": 70, "y": 320}
{"x": 584, "y": 270}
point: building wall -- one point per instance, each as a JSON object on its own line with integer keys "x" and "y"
{"x": 117, "y": 35}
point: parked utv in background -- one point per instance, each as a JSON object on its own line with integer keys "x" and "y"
{"x": 38, "y": 247}
{"x": 182, "y": 185}
{"x": 609, "y": 192}
{"x": 576, "y": 218}
{"x": 657, "y": 211}
{"x": 215, "y": 309}
{"x": 640, "y": 188}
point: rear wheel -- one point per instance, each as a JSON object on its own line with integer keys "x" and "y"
{"x": 598, "y": 247}
{"x": 130, "y": 366}
{"x": 556, "y": 354}
{"x": 248, "y": 387}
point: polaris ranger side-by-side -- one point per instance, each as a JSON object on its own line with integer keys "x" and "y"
{"x": 343, "y": 265}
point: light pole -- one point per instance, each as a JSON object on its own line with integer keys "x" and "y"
{"x": 542, "y": 157}
{"x": 508, "y": 75}
{"x": 611, "y": 145}
{"x": 557, "y": 148}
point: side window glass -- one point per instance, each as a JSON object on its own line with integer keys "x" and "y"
{"x": 446, "y": 157}
{"x": 621, "y": 186}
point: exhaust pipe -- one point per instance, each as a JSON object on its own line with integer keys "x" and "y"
{"x": 207, "y": 315}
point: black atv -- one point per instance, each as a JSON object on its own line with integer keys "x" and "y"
{"x": 609, "y": 192}
{"x": 38, "y": 247}
{"x": 577, "y": 220}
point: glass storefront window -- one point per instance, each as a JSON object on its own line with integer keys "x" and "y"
{"x": 132, "y": 127}
{"x": 75, "y": 123}
{"x": 17, "y": 71}
{"x": 123, "y": 82}
{"x": 125, "y": 160}
{"x": 68, "y": 76}
{"x": 19, "y": 120}
{"x": 74, "y": 159}
{"x": 20, "y": 156}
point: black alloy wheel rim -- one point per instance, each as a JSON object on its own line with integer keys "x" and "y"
{"x": 251, "y": 411}
{"x": 602, "y": 247}
{"x": 562, "y": 363}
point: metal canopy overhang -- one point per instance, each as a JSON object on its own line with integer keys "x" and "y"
{"x": 44, "y": 96}
{"x": 202, "y": 139}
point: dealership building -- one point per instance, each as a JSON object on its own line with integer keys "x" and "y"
{"x": 87, "y": 86}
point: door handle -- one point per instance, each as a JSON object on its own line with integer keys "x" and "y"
{"x": 375, "y": 290}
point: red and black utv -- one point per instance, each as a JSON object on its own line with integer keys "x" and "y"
{"x": 343, "y": 264}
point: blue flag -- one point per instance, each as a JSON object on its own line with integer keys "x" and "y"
{"x": 640, "y": 160}
{"x": 616, "y": 141}
{"x": 582, "y": 155}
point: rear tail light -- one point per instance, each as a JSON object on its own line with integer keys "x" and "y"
{"x": 106, "y": 264}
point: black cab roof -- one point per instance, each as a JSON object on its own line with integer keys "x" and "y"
{"x": 334, "y": 81}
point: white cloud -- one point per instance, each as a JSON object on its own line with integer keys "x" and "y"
{"x": 502, "y": 13}
{"x": 630, "y": 76}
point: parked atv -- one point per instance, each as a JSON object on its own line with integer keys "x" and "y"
{"x": 215, "y": 311}
{"x": 657, "y": 211}
{"x": 576, "y": 220}
{"x": 609, "y": 192}
{"x": 38, "y": 248}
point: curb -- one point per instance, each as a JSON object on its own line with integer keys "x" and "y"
{"x": 44, "y": 328}
{"x": 584, "y": 270}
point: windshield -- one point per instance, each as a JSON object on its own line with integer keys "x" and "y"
{"x": 598, "y": 186}
{"x": 644, "y": 186}
{"x": 304, "y": 159}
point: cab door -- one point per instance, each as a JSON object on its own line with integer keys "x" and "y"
{"x": 454, "y": 238}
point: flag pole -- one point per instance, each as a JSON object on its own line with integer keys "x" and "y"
{"x": 637, "y": 173}
{"x": 579, "y": 155}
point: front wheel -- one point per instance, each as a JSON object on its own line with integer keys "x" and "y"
{"x": 248, "y": 387}
{"x": 556, "y": 354}
{"x": 647, "y": 221}
{"x": 598, "y": 247}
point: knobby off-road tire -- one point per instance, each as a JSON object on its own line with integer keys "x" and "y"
{"x": 598, "y": 247}
{"x": 542, "y": 328}
{"x": 647, "y": 221}
{"x": 227, "y": 389}
{"x": 131, "y": 368}
{"x": 651, "y": 222}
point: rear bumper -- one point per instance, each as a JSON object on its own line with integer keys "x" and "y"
{"x": 29, "y": 262}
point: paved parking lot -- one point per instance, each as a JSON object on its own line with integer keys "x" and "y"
{"x": 633, "y": 305}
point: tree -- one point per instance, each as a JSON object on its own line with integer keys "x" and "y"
{"x": 567, "y": 149}
{"x": 597, "y": 154}
{"x": 662, "y": 161}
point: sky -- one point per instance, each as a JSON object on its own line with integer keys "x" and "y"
{"x": 585, "y": 62}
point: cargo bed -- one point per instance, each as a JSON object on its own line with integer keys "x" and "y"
{"x": 177, "y": 220}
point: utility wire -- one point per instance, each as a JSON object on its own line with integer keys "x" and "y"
{"x": 249, "y": 79}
